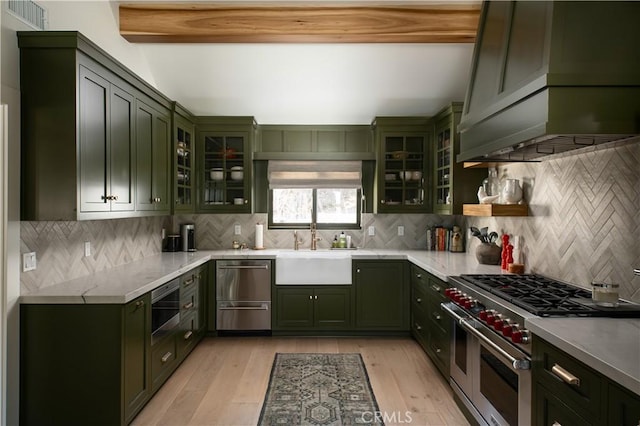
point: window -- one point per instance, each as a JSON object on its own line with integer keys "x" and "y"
{"x": 321, "y": 192}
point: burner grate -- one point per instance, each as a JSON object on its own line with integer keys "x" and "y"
{"x": 543, "y": 296}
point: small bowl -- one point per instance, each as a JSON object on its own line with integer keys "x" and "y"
{"x": 416, "y": 175}
{"x": 217, "y": 174}
{"x": 238, "y": 201}
{"x": 237, "y": 175}
{"x": 405, "y": 175}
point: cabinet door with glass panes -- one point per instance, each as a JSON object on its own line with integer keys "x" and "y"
{"x": 225, "y": 172}
{"x": 402, "y": 176}
{"x": 184, "y": 161}
{"x": 453, "y": 185}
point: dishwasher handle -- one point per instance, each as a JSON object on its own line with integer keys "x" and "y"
{"x": 263, "y": 307}
{"x": 231, "y": 267}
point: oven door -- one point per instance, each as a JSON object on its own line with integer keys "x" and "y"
{"x": 491, "y": 377}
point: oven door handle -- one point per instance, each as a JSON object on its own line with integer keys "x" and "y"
{"x": 451, "y": 312}
{"x": 518, "y": 364}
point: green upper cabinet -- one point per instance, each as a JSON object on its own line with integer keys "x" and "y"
{"x": 225, "y": 164}
{"x": 153, "y": 130}
{"x": 79, "y": 132}
{"x": 106, "y": 142}
{"x": 404, "y": 155}
{"x": 307, "y": 142}
{"x": 453, "y": 184}
{"x": 184, "y": 177}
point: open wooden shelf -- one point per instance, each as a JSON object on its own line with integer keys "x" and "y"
{"x": 495, "y": 210}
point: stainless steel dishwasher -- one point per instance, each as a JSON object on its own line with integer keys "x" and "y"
{"x": 243, "y": 295}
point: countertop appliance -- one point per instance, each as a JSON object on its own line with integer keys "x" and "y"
{"x": 188, "y": 234}
{"x": 172, "y": 243}
{"x": 491, "y": 349}
{"x": 243, "y": 295}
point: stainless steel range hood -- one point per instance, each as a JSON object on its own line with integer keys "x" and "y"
{"x": 549, "y": 77}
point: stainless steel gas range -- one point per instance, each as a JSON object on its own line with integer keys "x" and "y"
{"x": 491, "y": 348}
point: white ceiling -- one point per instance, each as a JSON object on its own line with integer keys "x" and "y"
{"x": 311, "y": 83}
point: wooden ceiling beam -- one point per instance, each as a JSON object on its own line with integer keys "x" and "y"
{"x": 298, "y": 23}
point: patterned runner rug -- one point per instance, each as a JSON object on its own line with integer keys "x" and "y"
{"x": 319, "y": 390}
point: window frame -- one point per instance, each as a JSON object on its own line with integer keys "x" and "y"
{"x": 314, "y": 214}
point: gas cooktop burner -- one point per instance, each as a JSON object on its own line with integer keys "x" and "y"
{"x": 543, "y": 296}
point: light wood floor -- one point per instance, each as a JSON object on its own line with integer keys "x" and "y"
{"x": 224, "y": 381}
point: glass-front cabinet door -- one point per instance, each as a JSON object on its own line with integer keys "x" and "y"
{"x": 184, "y": 161}
{"x": 225, "y": 171}
{"x": 443, "y": 194}
{"x": 404, "y": 153}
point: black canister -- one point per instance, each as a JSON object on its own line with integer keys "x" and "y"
{"x": 172, "y": 243}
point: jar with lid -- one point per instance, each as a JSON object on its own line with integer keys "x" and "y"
{"x": 605, "y": 294}
{"x": 491, "y": 183}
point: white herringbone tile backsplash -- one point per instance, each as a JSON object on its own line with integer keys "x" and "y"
{"x": 584, "y": 221}
{"x": 584, "y": 225}
{"x": 59, "y": 247}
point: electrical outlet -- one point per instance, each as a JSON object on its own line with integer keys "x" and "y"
{"x": 372, "y": 230}
{"x": 29, "y": 261}
{"x": 87, "y": 248}
{"x": 237, "y": 230}
{"x": 400, "y": 231}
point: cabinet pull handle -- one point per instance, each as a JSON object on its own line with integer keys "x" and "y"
{"x": 437, "y": 317}
{"x": 315, "y": 297}
{"x": 435, "y": 288}
{"x": 418, "y": 275}
{"x": 419, "y": 300}
{"x": 188, "y": 335}
{"x": 565, "y": 376}
{"x": 166, "y": 357}
{"x": 438, "y": 350}
{"x": 188, "y": 282}
{"x": 418, "y": 327}
{"x": 188, "y": 305}
{"x": 358, "y": 270}
{"x": 556, "y": 423}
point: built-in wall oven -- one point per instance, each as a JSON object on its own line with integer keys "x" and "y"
{"x": 165, "y": 309}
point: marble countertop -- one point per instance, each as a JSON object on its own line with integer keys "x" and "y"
{"x": 610, "y": 346}
{"x": 126, "y": 282}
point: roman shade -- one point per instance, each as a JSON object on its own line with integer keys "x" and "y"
{"x": 314, "y": 174}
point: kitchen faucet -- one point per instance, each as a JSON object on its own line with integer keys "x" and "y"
{"x": 296, "y": 241}
{"x": 314, "y": 239}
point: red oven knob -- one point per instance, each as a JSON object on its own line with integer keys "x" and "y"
{"x": 449, "y": 292}
{"x": 492, "y": 318}
{"x": 520, "y": 336}
{"x": 500, "y": 324}
{"x": 468, "y": 303}
{"x": 483, "y": 315}
{"x": 507, "y": 331}
{"x": 458, "y": 297}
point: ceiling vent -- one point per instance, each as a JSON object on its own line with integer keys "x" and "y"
{"x": 29, "y": 12}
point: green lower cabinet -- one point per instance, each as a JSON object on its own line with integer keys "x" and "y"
{"x": 84, "y": 364}
{"x": 595, "y": 400}
{"x": 430, "y": 326}
{"x": 308, "y": 308}
{"x": 549, "y": 410}
{"x": 382, "y": 295}
{"x": 624, "y": 407}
